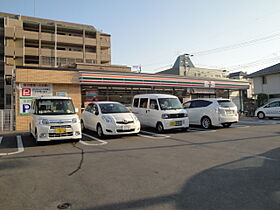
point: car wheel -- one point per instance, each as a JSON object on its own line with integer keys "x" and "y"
{"x": 99, "y": 131}
{"x": 159, "y": 127}
{"x": 261, "y": 115}
{"x": 206, "y": 122}
{"x": 226, "y": 125}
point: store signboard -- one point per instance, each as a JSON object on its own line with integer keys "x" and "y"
{"x": 29, "y": 91}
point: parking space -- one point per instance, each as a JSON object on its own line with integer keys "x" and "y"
{"x": 144, "y": 171}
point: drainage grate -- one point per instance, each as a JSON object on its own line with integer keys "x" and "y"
{"x": 64, "y": 206}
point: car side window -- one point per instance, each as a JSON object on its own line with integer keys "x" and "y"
{"x": 136, "y": 102}
{"x": 88, "y": 108}
{"x": 273, "y": 104}
{"x": 143, "y": 103}
{"x": 200, "y": 103}
{"x": 153, "y": 104}
{"x": 187, "y": 105}
{"x": 94, "y": 108}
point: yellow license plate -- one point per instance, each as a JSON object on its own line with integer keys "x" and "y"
{"x": 172, "y": 123}
{"x": 60, "y": 130}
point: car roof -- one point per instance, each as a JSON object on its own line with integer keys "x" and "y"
{"x": 106, "y": 102}
{"x": 51, "y": 97}
{"x": 154, "y": 95}
{"x": 209, "y": 99}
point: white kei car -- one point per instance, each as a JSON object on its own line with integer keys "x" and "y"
{"x": 269, "y": 110}
{"x": 109, "y": 118}
{"x": 209, "y": 112}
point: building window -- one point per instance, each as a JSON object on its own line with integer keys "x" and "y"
{"x": 264, "y": 80}
{"x": 8, "y": 99}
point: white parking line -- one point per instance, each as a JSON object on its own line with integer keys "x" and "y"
{"x": 201, "y": 130}
{"x": 19, "y": 145}
{"x": 247, "y": 126}
{"x": 94, "y": 138}
{"x": 151, "y": 137}
{"x": 1, "y": 138}
{"x": 155, "y": 134}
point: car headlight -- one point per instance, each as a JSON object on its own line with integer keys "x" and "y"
{"x": 185, "y": 114}
{"x": 74, "y": 120}
{"x": 134, "y": 118}
{"x": 164, "y": 116}
{"x": 44, "y": 122}
{"x": 108, "y": 119}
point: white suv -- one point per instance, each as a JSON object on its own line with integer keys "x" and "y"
{"x": 209, "y": 112}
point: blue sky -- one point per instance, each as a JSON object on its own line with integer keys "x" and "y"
{"x": 154, "y": 32}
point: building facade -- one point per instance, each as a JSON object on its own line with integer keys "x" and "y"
{"x": 267, "y": 82}
{"x": 44, "y": 57}
{"x": 46, "y": 43}
{"x": 183, "y": 66}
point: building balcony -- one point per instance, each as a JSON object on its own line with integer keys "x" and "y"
{"x": 31, "y": 35}
{"x": 91, "y": 55}
{"x": 90, "y": 42}
{"x": 69, "y": 39}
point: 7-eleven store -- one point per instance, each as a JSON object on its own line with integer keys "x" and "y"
{"x": 85, "y": 86}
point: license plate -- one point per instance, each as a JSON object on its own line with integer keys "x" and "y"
{"x": 172, "y": 123}
{"x": 126, "y": 127}
{"x": 60, "y": 130}
{"x": 229, "y": 112}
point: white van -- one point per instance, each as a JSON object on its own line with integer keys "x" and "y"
{"x": 209, "y": 112}
{"x": 54, "y": 118}
{"x": 160, "y": 111}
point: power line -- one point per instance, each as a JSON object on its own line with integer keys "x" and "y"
{"x": 238, "y": 45}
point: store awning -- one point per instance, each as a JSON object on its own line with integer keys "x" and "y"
{"x": 131, "y": 79}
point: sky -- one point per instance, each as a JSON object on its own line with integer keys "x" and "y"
{"x": 236, "y": 35}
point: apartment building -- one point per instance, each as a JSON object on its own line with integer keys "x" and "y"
{"x": 46, "y": 43}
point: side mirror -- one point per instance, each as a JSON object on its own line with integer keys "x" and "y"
{"x": 76, "y": 110}
{"x": 156, "y": 107}
{"x": 96, "y": 112}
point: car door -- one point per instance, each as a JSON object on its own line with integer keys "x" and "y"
{"x": 271, "y": 109}
{"x": 187, "y": 106}
{"x": 94, "y": 116}
{"x": 142, "y": 110}
{"x": 196, "y": 108}
{"x": 152, "y": 113}
{"x": 86, "y": 116}
{"x": 277, "y": 109}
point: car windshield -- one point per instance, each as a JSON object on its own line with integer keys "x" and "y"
{"x": 108, "y": 108}
{"x": 55, "y": 107}
{"x": 226, "y": 103}
{"x": 169, "y": 103}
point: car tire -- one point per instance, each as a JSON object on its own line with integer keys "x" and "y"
{"x": 206, "y": 123}
{"x": 99, "y": 131}
{"x": 226, "y": 125}
{"x": 261, "y": 115}
{"x": 159, "y": 127}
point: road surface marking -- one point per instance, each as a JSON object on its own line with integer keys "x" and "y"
{"x": 201, "y": 130}
{"x": 94, "y": 138}
{"x": 19, "y": 145}
{"x": 155, "y": 134}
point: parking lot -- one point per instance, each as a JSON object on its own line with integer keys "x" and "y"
{"x": 219, "y": 168}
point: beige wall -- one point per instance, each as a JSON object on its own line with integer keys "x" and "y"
{"x": 63, "y": 81}
{"x": 272, "y": 86}
{"x": 73, "y": 91}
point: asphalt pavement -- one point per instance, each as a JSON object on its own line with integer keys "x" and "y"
{"x": 220, "y": 168}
